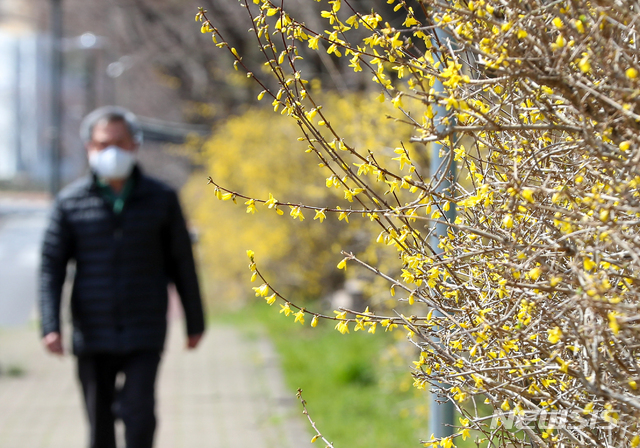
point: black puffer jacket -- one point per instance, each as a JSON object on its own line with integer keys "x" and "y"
{"x": 123, "y": 265}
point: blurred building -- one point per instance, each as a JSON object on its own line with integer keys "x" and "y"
{"x": 24, "y": 63}
{"x": 95, "y": 73}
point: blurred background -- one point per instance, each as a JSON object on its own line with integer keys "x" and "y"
{"x": 60, "y": 59}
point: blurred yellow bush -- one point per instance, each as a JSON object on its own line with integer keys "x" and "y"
{"x": 258, "y": 153}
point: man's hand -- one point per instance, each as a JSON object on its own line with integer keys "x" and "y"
{"x": 53, "y": 342}
{"x": 193, "y": 340}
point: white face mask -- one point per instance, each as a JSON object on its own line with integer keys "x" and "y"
{"x": 112, "y": 163}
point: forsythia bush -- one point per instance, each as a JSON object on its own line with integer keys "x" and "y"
{"x": 259, "y": 154}
{"x": 528, "y": 300}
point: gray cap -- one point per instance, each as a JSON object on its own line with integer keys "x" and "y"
{"x": 111, "y": 113}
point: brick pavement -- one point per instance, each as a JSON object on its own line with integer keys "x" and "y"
{"x": 226, "y": 394}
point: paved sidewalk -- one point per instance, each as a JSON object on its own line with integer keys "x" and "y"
{"x": 226, "y": 394}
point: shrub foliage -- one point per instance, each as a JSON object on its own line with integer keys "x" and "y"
{"x": 528, "y": 301}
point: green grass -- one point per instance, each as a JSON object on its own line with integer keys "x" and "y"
{"x": 12, "y": 370}
{"x": 355, "y": 397}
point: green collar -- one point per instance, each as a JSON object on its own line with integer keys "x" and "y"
{"x": 116, "y": 201}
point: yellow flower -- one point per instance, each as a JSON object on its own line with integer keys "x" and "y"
{"x": 388, "y": 325}
{"x": 584, "y": 65}
{"x": 631, "y": 73}
{"x": 343, "y": 326}
{"x": 505, "y": 405}
{"x": 343, "y": 264}
{"x": 534, "y": 274}
{"x": 527, "y": 194}
{"x": 559, "y": 43}
{"x": 397, "y": 100}
{"x": 555, "y": 281}
{"x": 624, "y": 146}
{"x": 343, "y": 215}
{"x": 286, "y": 309}
{"x": 320, "y": 215}
{"x": 314, "y": 321}
{"x": 555, "y": 335}
{"x": 262, "y": 290}
{"x": 271, "y": 202}
{"x": 271, "y": 299}
{"x": 299, "y": 317}
{"x": 250, "y": 254}
{"x": 313, "y": 42}
{"x": 296, "y": 213}
{"x": 588, "y": 264}
{"x": 340, "y": 314}
{"x": 251, "y": 206}
{"x": 564, "y": 365}
{"x": 558, "y": 22}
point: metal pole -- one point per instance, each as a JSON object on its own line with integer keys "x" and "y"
{"x": 442, "y": 169}
{"x": 55, "y": 133}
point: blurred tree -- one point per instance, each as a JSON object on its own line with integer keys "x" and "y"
{"x": 156, "y": 34}
{"x": 263, "y": 161}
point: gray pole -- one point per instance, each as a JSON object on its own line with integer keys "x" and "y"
{"x": 55, "y": 133}
{"x": 441, "y": 412}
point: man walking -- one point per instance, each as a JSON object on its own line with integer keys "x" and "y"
{"x": 128, "y": 238}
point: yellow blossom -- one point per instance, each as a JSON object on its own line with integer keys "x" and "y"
{"x": 343, "y": 326}
{"x": 271, "y": 202}
{"x": 251, "y": 206}
{"x": 527, "y": 194}
{"x": 320, "y": 215}
{"x": 299, "y": 317}
{"x": 262, "y": 290}
{"x": 613, "y": 322}
{"x": 534, "y": 274}
{"x": 555, "y": 334}
{"x": 286, "y": 309}
{"x": 296, "y": 213}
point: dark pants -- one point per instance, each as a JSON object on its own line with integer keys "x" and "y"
{"x": 133, "y": 401}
